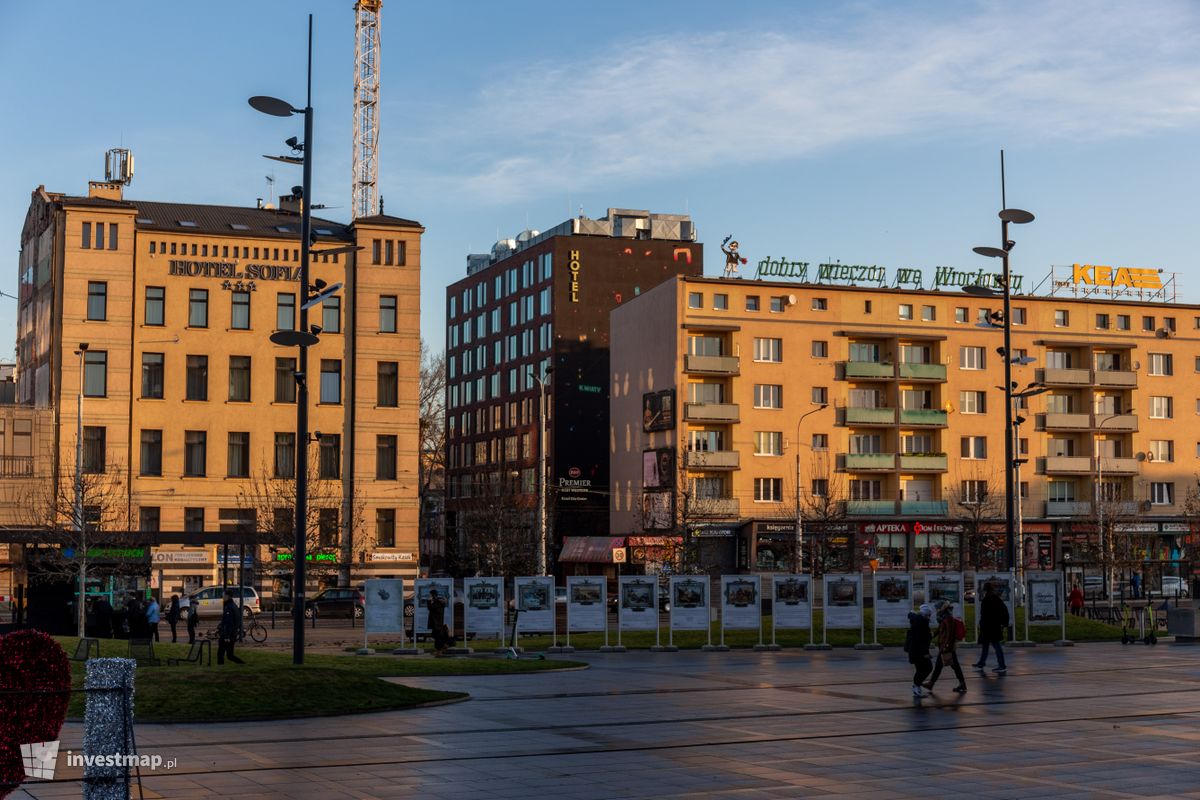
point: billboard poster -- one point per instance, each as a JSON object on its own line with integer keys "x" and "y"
{"x": 741, "y": 602}
{"x": 658, "y": 410}
{"x": 843, "y": 601}
{"x": 1045, "y": 598}
{"x": 587, "y": 607}
{"x": 384, "y": 612}
{"x": 422, "y": 587}
{"x": 946, "y": 586}
{"x": 1002, "y": 581}
{"x": 483, "y": 605}
{"x": 689, "y": 603}
{"x": 534, "y": 600}
{"x": 893, "y": 600}
{"x": 791, "y": 601}
{"x": 637, "y": 603}
{"x": 658, "y": 511}
{"x": 658, "y": 468}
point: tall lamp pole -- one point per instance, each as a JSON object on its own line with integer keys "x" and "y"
{"x": 543, "y": 544}
{"x": 80, "y": 526}
{"x": 799, "y": 543}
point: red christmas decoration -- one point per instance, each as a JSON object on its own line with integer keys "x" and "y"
{"x": 31, "y": 663}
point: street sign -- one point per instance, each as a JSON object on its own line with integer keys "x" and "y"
{"x": 618, "y": 555}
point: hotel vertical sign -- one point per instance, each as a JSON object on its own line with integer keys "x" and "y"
{"x": 573, "y": 265}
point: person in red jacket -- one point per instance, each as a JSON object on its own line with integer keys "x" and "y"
{"x": 1075, "y": 600}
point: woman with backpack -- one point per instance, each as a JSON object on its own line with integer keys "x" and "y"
{"x": 949, "y": 632}
{"x": 916, "y": 644}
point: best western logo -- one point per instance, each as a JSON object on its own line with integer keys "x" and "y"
{"x": 1129, "y": 277}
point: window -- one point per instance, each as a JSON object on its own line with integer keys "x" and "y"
{"x": 387, "y": 384}
{"x": 331, "y": 315}
{"x": 239, "y": 454}
{"x": 906, "y": 311}
{"x": 695, "y": 300}
{"x": 973, "y": 492}
{"x": 1169, "y": 323}
{"x": 720, "y": 303}
{"x": 285, "y": 311}
{"x": 1148, "y": 324}
{"x": 768, "y": 490}
{"x": 974, "y": 447}
{"x": 389, "y": 250}
{"x": 928, "y": 313}
{"x": 1122, "y": 322}
{"x": 285, "y": 455}
{"x": 916, "y": 443}
{"x": 151, "y": 463}
{"x": 1162, "y": 494}
{"x": 195, "y": 453}
{"x": 820, "y": 304}
{"x": 864, "y": 351}
{"x": 149, "y": 519}
{"x": 99, "y": 235}
{"x": 376, "y": 251}
{"x": 1062, "y": 318}
{"x": 820, "y": 349}
{"x": 1102, "y": 322}
{"x": 861, "y": 443}
{"x": 156, "y": 298}
{"x": 385, "y": 457}
{"x": 239, "y": 315}
{"x": 95, "y": 373}
{"x": 1197, "y": 364}
{"x": 820, "y": 487}
{"x": 112, "y": 236}
{"x": 1059, "y": 359}
{"x": 768, "y": 349}
{"x": 768, "y": 443}
{"x": 768, "y": 395}
{"x": 97, "y": 301}
{"x": 285, "y": 380}
{"x": 866, "y": 306}
{"x": 387, "y": 313}
{"x": 1161, "y": 364}
{"x": 331, "y": 381}
{"x": 93, "y": 449}
{"x": 1019, "y": 316}
{"x": 327, "y": 527}
{"x": 960, "y": 313}
{"x": 385, "y": 527}
{"x": 866, "y": 490}
{"x": 714, "y": 346}
{"x": 193, "y": 520}
{"x": 1161, "y": 408}
{"x": 85, "y": 240}
{"x": 752, "y": 302}
{"x": 239, "y": 379}
{"x": 330, "y": 461}
{"x": 971, "y": 358}
{"x": 1057, "y": 447}
{"x": 1162, "y": 450}
{"x": 972, "y": 402}
{"x": 777, "y": 304}
{"x": 198, "y": 307}
{"x": 197, "y": 378}
{"x": 820, "y": 395}
{"x": 152, "y": 376}
{"x": 915, "y": 354}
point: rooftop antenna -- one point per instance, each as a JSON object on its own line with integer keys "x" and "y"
{"x": 270, "y": 188}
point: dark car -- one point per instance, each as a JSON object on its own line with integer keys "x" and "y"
{"x": 344, "y": 602}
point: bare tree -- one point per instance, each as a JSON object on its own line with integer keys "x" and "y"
{"x": 1114, "y": 544}
{"x": 432, "y": 399}
{"x": 496, "y": 530}
{"x": 977, "y": 499}
{"x": 822, "y": 505}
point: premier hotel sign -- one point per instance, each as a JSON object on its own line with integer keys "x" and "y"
{"x": 873, "y": 275}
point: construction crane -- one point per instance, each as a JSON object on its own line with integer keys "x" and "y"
{"x": 365, "y": 201}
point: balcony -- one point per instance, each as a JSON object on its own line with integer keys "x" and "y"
{"x": 1068, "y": 422}
{"x": 922, "y": 416}
{"x": 1067, "y": 508}
{"x": 1115, "y": 378}
{"x": 924, "y": 508}
{"x": 923, "y": 372}
{"x": 870, "y": 416}
{"x": 714, "y": 507}
{"x": 712, "y": 459}
{"x": 923, "y": 462}
{"x": 1068, "y": 465}
{"x": 711, "y": 412}
{"x": 869, "y": 370}
{"x": 884, "y": 508}
{"x": 16, "y": 466}
{"x": 1051, "y": 376}
{"x": 1117, "y": 466}
{"x": 869, "y": 462}
{"x": 712, "y": 365}
{"x": 1116, "y": 422}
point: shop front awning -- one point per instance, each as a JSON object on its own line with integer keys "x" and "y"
{"x": 590, "y": 549}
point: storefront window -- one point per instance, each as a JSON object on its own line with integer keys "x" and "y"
{"x": 891, "y": 550}
{"x": 938, "y": 551}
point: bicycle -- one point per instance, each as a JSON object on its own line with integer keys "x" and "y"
{"x": 250, "y": 627}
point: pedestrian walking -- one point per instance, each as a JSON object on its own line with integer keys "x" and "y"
{"x": 173, "y": 613}
{"x": 153, "y": 615}
{"x": 1075, "y": 600}
{"x": 950, "y": 631}
{"x": 228, "y": 630}
{"x": 916, "y": 644}
{"x": 135, "y": 620}
{"x": 193, "y": 618}
{"x": 437, "y": 621}
{"x": 1135, "y": 582}
{"x": 104, "y": 617}
{"x": 993, "y": 619}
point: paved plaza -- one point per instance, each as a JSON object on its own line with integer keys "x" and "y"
{"x": 1099, "y": 720}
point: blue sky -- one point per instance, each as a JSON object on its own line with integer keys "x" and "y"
{"x": 865, "y": 132}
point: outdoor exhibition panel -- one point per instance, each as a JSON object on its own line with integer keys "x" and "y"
{"x": 483, "y": 606}
{"x": 741, "y": 602}
{"x": 1044, "y": 591}
{"x": 1002, "y": 581}
{"x": 534, "y": 596}
{"x": 946, "y": 586}
{"x": 384, "y": 611}
{"x": 445, "y": 590}
{"x": 587, "y": 609}
{"x": 893, "y": 599}
{"x": 638, "y": 606}
{"x": 843, "y": 600}
{"x": 689, "y": 603}
{"x": 791, "y": 601}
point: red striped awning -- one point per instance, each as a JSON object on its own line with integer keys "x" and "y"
{"x": 590, "y": 549}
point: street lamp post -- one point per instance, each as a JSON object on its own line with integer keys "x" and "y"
{"x": 77, "y": 510}
{"x": 1106, "y": 543}
{"x": 541, "y": 501}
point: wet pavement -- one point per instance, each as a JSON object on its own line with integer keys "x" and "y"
{"x": 1098, "y": 720}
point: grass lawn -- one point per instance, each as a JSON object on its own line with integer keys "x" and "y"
{"x": 268, "y": 686}
{"x": 1079, "y": 629}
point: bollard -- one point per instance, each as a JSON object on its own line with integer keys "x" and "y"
{"x": 108, "y": 727}
{"x": 272, "y": 616}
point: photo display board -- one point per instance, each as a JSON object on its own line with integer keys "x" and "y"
{"x": 483, "y": 609}
{"x": 843, "y": 600}
{"x": 741, "y": 602}
{"x": 791, "y": 601}
{"x": 587, "y": 607}
{"x": 384, "y": 612}
{"x": 534, "y": 600}
{"x": 422, "y": 586}
{"x": 893, "y": 599}
{"x": 946, "y": 586}
{"x": 637, "y": 603}
{"x": 689, "y": 603}
{"x": 1003, "y": 583}
{"x": 1045, "y": 598}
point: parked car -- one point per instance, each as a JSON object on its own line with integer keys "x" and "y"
{"x": 210, "y": 600}
{"x": 1093, "y": 586}
{"x": 1172, "y": 586}
{"x": 340, "y": 602}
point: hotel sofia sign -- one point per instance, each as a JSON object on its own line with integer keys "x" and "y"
{"x": 231, "y": 271}
{"x": 873, "y": 275}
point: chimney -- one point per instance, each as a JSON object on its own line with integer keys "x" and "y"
{"x": 104, "y": 190}
{"x": 290, "y": 202}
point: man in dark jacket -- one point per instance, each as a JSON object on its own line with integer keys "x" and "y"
{"x": 993, "y": 619}
{"x": 437, "y": 621}
{"x": 917, "y": 644}
{"x": 104, "y": 617}
{"x": 173, "y": 614}
{"x": 228, "y": 630}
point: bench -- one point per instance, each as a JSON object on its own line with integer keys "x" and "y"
{"x": 142, "y": 651}
{"x": 83, "y": 650}
{"x": 196, "y": 653}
